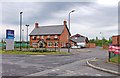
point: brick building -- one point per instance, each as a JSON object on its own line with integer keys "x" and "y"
{"x": 79, "y": 40}
{"x": 116, "y": 40}
{"x": 49, "y": 36}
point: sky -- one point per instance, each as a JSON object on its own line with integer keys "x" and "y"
{"x": 89, "y": 19}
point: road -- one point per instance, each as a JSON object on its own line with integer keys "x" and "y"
{"x": 54, "y": 65}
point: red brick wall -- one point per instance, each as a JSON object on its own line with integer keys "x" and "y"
{"x": 64, "y": 36}
{"x": 45, "y": 37}
{"x": 115, "y": 40}
{"x": 90, "y": 45}
{"x": 62, "y": 39}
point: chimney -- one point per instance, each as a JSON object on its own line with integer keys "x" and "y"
{"x": 36, "y": 25}
{"x": 65, "y": 23}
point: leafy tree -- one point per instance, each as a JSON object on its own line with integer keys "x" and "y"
{"x": 99, "y": 42}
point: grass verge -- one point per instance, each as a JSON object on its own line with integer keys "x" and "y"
{"x": 115, "y": 59}
{"x": 31, "y": 53}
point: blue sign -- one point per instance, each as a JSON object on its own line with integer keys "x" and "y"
{"x": 9, "y": 34}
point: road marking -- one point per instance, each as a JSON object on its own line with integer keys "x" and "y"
{"x": 57, "y": 69}
{"x": 86, "y": 73}
{"x": 98, "y": 75}
{"x": 53, "y": 70}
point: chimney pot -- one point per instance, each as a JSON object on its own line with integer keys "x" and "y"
{"x": 65, "y": 22}
{"x": 36, "y": 25}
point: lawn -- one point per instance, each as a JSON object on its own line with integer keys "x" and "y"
{"x": 31, "y": 53}
{"x": 115, "y": 59}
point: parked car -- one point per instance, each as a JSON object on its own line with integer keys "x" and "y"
{"x": 78, "y": 46}
{"x": 82, "y": 44}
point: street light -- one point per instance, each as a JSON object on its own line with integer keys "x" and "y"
{"x": 69, "y": 31}
{"x": 27, "y": 34}
{"x": 20, "y": 28}
{"x": 102, "y": 37}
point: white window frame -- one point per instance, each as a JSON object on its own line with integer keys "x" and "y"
{"x": 50, "y": 44}
{"x": 48, "y": 36}
{"x": 55, "y": 36}
{"x": 38, "y": 37}
{"x": 42, "y": 37}
{"x": 76, "y": 38}
{"x": 56, "y": 44}
{"x": 33, "y": 37}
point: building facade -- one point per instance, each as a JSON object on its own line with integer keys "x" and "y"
{"x": 116, "y": 40}
{"x": 79, "y": 40}
{"x": 50, "y": 36}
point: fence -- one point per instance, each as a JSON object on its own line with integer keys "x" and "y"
{"x": 16, "y": 45}
{"x": 26, "y": 46}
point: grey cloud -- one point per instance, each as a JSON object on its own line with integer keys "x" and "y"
{"x": 39, "y": 11}
{"x": 43, "y": 12}
{"x": 103, "y": 16}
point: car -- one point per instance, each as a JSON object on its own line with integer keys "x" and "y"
{"x": 82, "y": 44}
{"x": 77, "y": 46}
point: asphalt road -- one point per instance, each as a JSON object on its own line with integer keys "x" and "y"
{"x": 54, "y": 65}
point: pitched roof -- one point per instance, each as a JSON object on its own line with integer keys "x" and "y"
{"x": 78, "y": 35}
{"x": 78, "y": 38}
{"x": 48, "y": 30}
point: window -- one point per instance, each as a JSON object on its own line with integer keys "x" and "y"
{"x": 34, "y": 44}
{"x": 75, "y": 37}
{"x": 48, "y": 36}
{"x": 38, "y": 37}
{"x": 34, "y": 37}
{"x": 50, "y": 44}
{"x": 62, "y": 44}
{"x": 42, "y": 37}
{"x": 56, "y": 44}
{"x": 55, "y": 36}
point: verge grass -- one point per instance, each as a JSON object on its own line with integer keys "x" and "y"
{"x": 32, "y": 53}
{"x": 115, "y": 59}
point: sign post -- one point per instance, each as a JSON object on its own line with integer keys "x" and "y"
{"x": 9, "y": 39}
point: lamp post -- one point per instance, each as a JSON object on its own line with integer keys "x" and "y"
{"x": 20, "y": 28}
{"x": 69, "y": 31}
{"x": 27, "y": 34}
{"x": 102, "y": 37}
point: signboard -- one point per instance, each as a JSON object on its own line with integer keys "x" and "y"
{"x": 9, "y": 34}
{"x": 9, "y": 39}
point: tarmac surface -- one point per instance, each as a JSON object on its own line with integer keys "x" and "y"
{"x": 55, "y": 65}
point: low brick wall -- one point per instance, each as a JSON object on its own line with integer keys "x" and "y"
{"x": 91, "y": 45}
{"x": 105, "y": 46}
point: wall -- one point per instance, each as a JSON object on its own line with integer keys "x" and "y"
{"x": 115, "y": 40}
{"x": 90, "y": 45}
{"x": 64, "y": 36}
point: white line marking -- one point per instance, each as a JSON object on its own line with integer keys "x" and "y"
{"x": 98, "y": 75}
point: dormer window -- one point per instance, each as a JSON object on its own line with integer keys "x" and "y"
{"x": 48, "y": 36}
{"x": 33, "y": 37}
{"x": 56, "y": 36}
{"x": 75, "y": 37}
{"x": 38, "y": 37}
{"x": 42, "y": 37}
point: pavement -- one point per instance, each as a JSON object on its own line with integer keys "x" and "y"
{"x": 103, "y": 65}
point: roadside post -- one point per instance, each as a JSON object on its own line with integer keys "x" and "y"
{"x": 109, "y": 53}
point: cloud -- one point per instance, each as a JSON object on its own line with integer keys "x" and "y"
{"x": 88, "y": 19}
{"x": 108, "y": 2}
